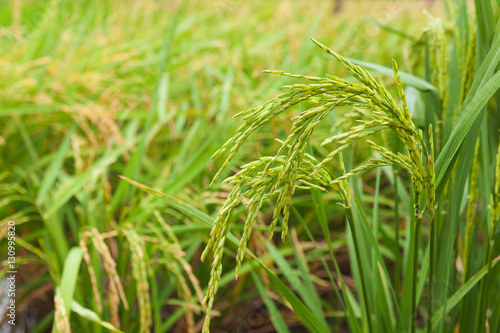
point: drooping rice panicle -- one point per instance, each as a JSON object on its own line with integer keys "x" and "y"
{"x": 291, "y": 168}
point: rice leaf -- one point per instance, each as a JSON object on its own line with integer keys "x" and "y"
{"x": 69, "y": 276}
{"x": 454, "y": 299}
{"x": 468, "y": 114}
{"x": 408, "y": 79}
{"x": 92, "y": 316}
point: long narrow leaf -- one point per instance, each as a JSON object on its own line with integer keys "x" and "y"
{"x": 460, "y": 293}
{"x": 279, "y": 323}
{"x": 69, "y": 276}
{"x": 470, "y": 111}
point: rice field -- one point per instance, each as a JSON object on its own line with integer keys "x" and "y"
{"x": 249, "y": 166}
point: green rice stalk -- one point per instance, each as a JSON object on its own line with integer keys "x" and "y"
{"x": 495, "y": 208}
{"x": 438, "y": 49}
{"x": 345, "y": 193}
{"x": 489, "y": 256}
{"x": 172, "y": 257}
{"x": 115, "y": 293}
{"x": 93, "y": 279}
{"x": 257, "y": 184}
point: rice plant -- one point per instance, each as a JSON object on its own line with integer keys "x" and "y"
{"x": 366, "y": 200}
{"x": 456, "y": 103}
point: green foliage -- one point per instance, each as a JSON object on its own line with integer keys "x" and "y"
{"x": 327, "y": 93}
{"x": 99, "y": 98}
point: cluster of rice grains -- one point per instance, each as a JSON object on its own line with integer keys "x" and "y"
{"x": 293, "y": 168}
{"x": 172, "y": 259}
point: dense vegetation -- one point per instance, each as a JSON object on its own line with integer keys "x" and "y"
{"x": 384, "y": 219}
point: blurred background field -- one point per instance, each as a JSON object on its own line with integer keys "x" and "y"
{"x": 91, "y": 90}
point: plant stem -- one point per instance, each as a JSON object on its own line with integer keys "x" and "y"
{"x": 350, "y": 218}
{"x": 480, "y": 307}
{"x": 418, "y": 222}
{"x": 431, "y": 273}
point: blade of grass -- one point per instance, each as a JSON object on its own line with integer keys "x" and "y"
{"x": 309, "y": 296}
{"x": 183, "y": 207}
{"x": 482, "y": 89}
{"x": 485, "y": 26}
{"x": 454, "y": 299}
{"x": 468, "y": 114}
{"x": 381, "y": 281}
{"x": 278, "y": 322}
